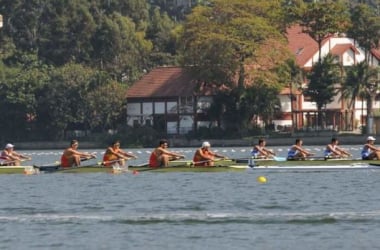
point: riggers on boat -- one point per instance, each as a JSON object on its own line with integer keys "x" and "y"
{"x": 229, "y": 165}
{"x": 311, "y": 164}
{"x": 174, "y": 166}
{"x": 282, "y": 164}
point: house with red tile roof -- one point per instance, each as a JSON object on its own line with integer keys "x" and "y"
{"x": 347, "y": 53}
{"x": 172, "y": 100}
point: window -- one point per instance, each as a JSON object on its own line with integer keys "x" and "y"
{"x": 136, "y": 123}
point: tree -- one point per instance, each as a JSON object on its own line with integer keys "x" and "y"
{"x": 161, "y": 31}
{"x": 105, "y": 105}
{"x": 136, "y": 10}
{"x": 119, "y": 49}
{"x": 365, "y": 28}
{"x": 66, "y": 34}
{"x": 18, "y": 98}
{"x": 322, "y": 83}
{"x": 320, "y": 19}
{"x": 361, "y": 81}
{"x": 366, "y": 31}
{"x": 294, "y": 76}
{"x": 261, "y": 100}
{"x": 62, "y": 102}
{"x": 22, "y": 22}
{"x": 231, "y": 43}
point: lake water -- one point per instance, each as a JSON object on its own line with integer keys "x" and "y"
{"x": 319, "y": 210}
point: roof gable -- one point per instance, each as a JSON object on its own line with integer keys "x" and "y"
{"x": 301, "y": 44}
{"x": 164, "y": 82}
{"x": 340, "y": 49}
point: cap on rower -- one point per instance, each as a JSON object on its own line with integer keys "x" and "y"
{"x": 371, "y": 138}
{"x": 9, "y": 146}
{"x": 206, "y": 144}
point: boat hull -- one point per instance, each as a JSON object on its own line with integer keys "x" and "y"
{"x": 220, "y": 166}
{"x": 101, "y": 169}
{"x": 317, "y": 168}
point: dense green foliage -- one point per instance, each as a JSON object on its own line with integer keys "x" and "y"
{"x": 365, "y": 28}
{"x": 227, "y": 43}
{"x": 324, "y": 81}
{"x": 66, "y": 65}
{"x": 322, "y": 18}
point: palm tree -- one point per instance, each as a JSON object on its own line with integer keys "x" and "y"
{"x": 361, "y": 81}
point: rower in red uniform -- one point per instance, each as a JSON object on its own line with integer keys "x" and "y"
{"x": 72, "y": 157}
{"x": 160, "y": 156}
{"x": 114, "y": 155}
{"x": 204, "y": 156}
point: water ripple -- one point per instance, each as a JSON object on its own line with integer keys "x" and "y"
{"x": 201, "y": 218}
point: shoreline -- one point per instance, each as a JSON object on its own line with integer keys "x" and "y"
{"x": 271, "y": 141}
{"x": 276, "y": 141}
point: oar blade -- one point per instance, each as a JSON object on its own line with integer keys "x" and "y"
{"x": 279, "y": 158}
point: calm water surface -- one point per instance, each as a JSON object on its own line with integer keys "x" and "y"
{"x": 322, "y": 210}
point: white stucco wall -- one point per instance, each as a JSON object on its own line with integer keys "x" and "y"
{"x": 285, "y": 103}
{"x": 326, "y": 48}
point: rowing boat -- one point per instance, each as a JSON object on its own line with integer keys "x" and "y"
{"x": 318, "y": 168}
{"x": 229, "y": 165}
{"x": 312, "y": 162}
{"x": 101, "y": 169}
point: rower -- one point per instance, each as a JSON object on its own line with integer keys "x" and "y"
{"x": 333, "y": 151}
{"x": 370, "y": 151}
{"x": 204, "y": 156}
{"x": 161, "y": 156}
{"x": 296, "y": 152}
{"x": 116, "y": 156}
{"x": 9, "y": 157}
{"x": 259, "y": 151}
{"x": 72, "y": 157}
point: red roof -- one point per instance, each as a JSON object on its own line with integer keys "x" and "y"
{"x": 339, "y": 49}
{"x": 164, "y": 82}
{"x": 301, "y": 44}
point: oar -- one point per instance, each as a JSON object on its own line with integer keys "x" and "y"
{"x": 48, "y": 166}
{"x": 146, "y": 164}
{"x": 278, "y": 158}
{"x": 135, "y": 171}
{"x": 52, "y": 163}
{"x": 337, "y": 158}
{"x": 308, "y": 158}
{"x": 240, "y": 159}
{"x": 60, "y": 169}
{"x": 206, "y": 161}
{"x": 6, "y": 162}
{"x": 107, "y": 162}
{"x": 88, "y": 158}
{"x": 159, "y": 168}
{"x": 56, "y": 166}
